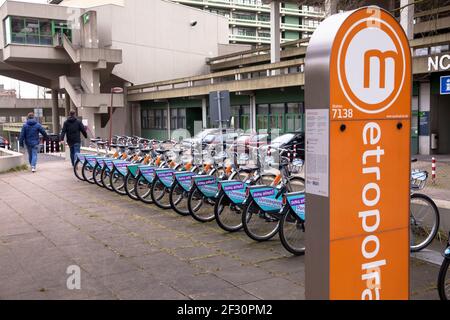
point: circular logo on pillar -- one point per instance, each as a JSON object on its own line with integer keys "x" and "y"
{"x": 371, "y": 65}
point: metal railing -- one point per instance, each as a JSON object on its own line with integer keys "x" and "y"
{"x": 266, "y": 24}
{"x": 251, "y": 6}
{"x": 256, "y": 52}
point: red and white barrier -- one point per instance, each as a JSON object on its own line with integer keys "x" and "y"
{"x": 433, "y": 168}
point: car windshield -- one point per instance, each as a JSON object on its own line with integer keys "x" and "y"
{"x": 209, "y": 138}
{"x": 260, "y": 137}
{"x": 204, "y": 133}
{"x": 285, "y": 138}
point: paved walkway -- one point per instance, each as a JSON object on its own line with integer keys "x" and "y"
{"x": 128, "y": 250}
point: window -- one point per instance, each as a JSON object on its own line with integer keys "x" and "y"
{"x": 2, "y": 119}
{"x": 21, "y": 30}
{"x": 144, "y": 119}
{"x": 294, "y": 108}
{"x": 32, "y": 31}
{"x": 177, "y": 118}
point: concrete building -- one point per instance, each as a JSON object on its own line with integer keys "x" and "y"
{"x": 267, "y": 95}
{"x": 86, "y": 51}
{"x": 249, "y": 20}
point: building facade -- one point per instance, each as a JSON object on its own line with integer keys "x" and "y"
{"x": 270, "y": 96}
{"x": 86, "y": 51}
{"x": 249, "y": 20}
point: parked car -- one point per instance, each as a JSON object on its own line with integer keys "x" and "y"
{"x": 289, "y": 141}
{"x": 4, "y": 143}
{"x": 198, "y": 138}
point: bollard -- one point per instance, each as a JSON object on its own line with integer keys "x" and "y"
{"x": 433, "y": 169}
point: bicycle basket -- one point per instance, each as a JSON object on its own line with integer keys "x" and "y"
{"x": 419, "y": 179}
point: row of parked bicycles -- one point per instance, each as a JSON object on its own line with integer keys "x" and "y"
{"x": 259, "y": 191}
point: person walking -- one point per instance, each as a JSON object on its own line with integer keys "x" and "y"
{"x": 72, "y": 129}
{"x": 30, "y": 136}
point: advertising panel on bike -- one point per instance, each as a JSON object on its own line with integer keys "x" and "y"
{"x": 207, "y": 185}
{"x": 185, "y": 179}
{"x": 266, "y": 198}
{"x": 165, "y": 176}
{"x": 121, "y": 167}
{"x": 235, "y": 190}
{"x": 147, "y": 172}
{"x": 133, "y": 169}
{"x": 297, "y": 203}
{"x": 81, "y": 157}
{"x": 91, "y": 160}
{"x": 101, "y": 161}
{"x": 368, "y": 157}
{"x": 109, "y": 164}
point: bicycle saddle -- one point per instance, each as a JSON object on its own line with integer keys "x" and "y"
{"x": 132, "y": 147}
{"x": 160, "y": 151}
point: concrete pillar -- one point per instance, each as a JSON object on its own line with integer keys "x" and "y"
{"x": 169, "y": 134}
{"x": 275, "y": 36}
{"x": 407, "y": 17}
{"x": 55, "y": 112}
{"x": 330, "y": 7}
{"x": 68, "y": 105}
{"x": 204, "y": 113}
{"x": 424, "y": 106}
{"x": 253, "y": 112}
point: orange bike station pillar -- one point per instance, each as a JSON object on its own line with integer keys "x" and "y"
{"x": 358, "y": 101}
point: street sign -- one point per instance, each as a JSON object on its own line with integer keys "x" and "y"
{"x": 38, "y": 112}
{"x": 219, "y": 106}
{"x": 445, "y": 85}
{"x": 358, "y": 101}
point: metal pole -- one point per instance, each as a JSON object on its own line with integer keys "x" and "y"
{"x": 110, "y": 121}
{"x": 219, "y": 104}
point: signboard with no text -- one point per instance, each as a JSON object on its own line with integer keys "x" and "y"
{"x": 358, "y": 232}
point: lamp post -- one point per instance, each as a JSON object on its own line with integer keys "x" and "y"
{"x": 115, "y": 90}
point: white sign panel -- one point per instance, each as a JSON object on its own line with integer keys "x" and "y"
{"x": 317, "y": 146}
{"x": 38, "y": 112}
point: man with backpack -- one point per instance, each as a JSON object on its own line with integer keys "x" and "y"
{"x": 72, "y": 129}
{"x": 30, "y": 136}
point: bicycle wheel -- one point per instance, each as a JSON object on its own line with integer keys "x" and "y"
{"x": 105, "y": 179}
{"x": 424, "y": 220}
{"x": 142, "y": 189}
{"x": 130, "y": 181}
{"x": 444, "y": 280}
{"x": 178, "y": 198}
{"x": 257, "y": 224}
{"x": 117, "y": 182}
{"x": 78, "y": 170}
{"x": 88, "y": 172}
{"x": 292, "y": 234}
{"x": 97, "y": 175}
{"x": 200, "y": 208}
{"x": 297, "y": 184}
{"x": 228, "y": 216}
{"x": 160, "y": 194}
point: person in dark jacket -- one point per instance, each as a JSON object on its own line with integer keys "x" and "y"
{"x": 72, "y": 129}
{"x": 30, "y": 135}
